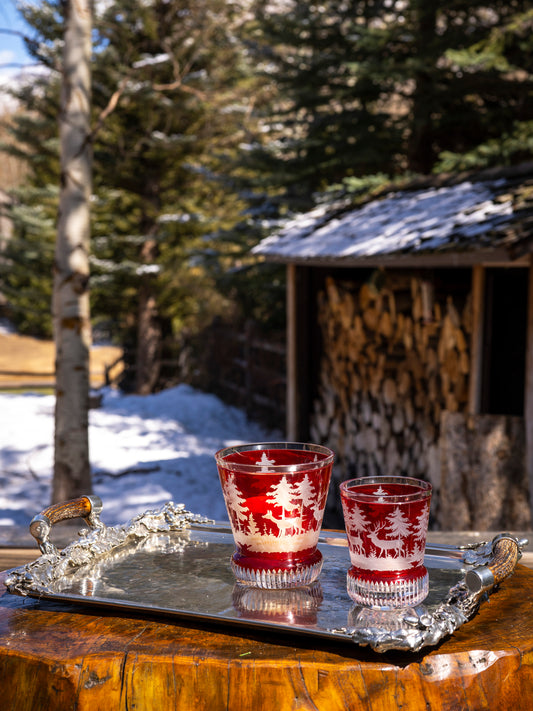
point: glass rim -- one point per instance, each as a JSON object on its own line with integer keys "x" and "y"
{"x": 350, "y": 488}
{"x": 259, "y": 468}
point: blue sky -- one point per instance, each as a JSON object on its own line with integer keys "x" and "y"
{"x": 12, "y": 49}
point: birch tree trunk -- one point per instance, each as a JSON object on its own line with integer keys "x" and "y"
{"x": 72, "y": 329}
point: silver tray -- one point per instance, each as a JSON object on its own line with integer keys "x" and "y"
{"x": 174, "y": 563}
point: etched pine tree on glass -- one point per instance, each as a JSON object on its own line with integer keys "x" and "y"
{"x": 386, "y": 522}
{"x": 275, "y": 495}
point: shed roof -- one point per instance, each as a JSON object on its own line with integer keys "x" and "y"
{"x": 483, "y": 218}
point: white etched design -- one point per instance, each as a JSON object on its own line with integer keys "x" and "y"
{"x": 234, "y": 498}
{"x": 421, "y": 526}
{"x": 266, "y": 462}
{"x": 289, "y": 519}
{"x": 383, "y": 545}
{"x": 284, "y": 524}
{"x": 390, "y": 543}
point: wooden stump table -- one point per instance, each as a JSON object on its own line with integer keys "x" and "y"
{"x": 57, "y": 657}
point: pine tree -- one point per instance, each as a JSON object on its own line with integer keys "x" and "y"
{"x": 235, "y": 499}
{"x": 375, "y": 89}
{"x": 171, "y": 96}
{"x": 163, "y": 149}
{"x": 305, "y": 491}
{"x": 327, "y": 121}
{"x": 26, "y": 268}
{"x": 398, "y": 523}
{"x": 282, "y": 494}
{"x": 506, "y": 51}
{"x": 355, "y": 518}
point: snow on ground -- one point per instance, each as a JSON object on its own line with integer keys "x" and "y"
{"x": 144, "y": 451}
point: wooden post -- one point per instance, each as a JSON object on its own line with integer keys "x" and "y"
{"x": 292, "y": 380}
{"x": 476, "y": 345}
{"x": 528, "y": 395}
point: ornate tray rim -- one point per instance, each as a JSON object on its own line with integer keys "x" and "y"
{"x": 410, "y": 629}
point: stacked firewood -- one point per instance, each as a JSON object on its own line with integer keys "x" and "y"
{"x": 394, "y": 358}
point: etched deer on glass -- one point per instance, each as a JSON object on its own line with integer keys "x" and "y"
{"x": 284, "y": 524}
{"x": 384, "y": 545}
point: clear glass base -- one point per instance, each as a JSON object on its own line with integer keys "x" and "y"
{"x": 277, "y": 578}
{"x": 387, "y": 594}
{"x": 290, "y": 606}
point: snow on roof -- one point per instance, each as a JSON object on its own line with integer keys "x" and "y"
{"x": 462, "y": 217}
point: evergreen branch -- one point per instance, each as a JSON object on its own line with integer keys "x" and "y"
{"x": 111, "y": 106}
{"x": 113, "y": 101}
{"x": 178, "y": 84}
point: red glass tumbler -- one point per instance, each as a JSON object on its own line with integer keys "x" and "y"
{"x": 275, "y": 495}
{"x": 386, "y": 520}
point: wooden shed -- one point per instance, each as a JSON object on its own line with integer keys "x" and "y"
{"x": 410, "y": 340}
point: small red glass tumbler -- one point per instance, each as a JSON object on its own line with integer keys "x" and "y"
{"x": 275, "y": 495}
{"x": 386, "y": 520}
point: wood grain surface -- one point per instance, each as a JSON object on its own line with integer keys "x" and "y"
{"x": 58, "y": 657}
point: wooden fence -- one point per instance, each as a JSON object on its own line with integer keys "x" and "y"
{"x": 243, "y": 367}
{"x": 255, "y": 379}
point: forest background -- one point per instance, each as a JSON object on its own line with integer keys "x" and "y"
{"x": 214, "y": 121}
